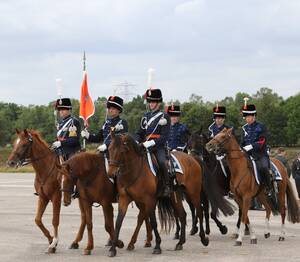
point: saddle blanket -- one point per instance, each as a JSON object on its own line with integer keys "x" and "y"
{"x": 274, "y": 170}
{"x": 175, "y": 164}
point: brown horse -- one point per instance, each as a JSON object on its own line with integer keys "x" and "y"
{"x": 244, "y": 186}
{"x": 87, "y": 171}
{"x": 30, "y": 147}
{"x": 137, "y": 183}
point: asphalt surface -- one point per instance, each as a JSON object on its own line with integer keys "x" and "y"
{"x": 21, "y": 240}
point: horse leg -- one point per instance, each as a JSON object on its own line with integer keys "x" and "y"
{"x": 176, "y": 236}
{"x": 123, "y": 205}
{"x": 141, "y": 218}
{"x": 206, "y": 213}
{"x": 181, "y": 214}
{"x": 223, "y": 229}
{"x": 79, "y": 235}
{"x": 56, "y": 204}
{"x": 89, "y": 225}
{"x": 263, "y": 200}
{"x": 149, "y": 233}
{"x": 41, "y": 207}
{"x": 282, "y": 209}
{"x": 157, "y": 249}
{"x": 108, "y": 212}
{"x": 194, "y": 228}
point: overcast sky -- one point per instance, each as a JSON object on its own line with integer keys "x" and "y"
{"x": 208, "y": 47}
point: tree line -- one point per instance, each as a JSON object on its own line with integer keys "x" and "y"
{"x": 281, "y": 116}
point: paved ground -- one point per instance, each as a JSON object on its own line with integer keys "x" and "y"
{"x": 21, "y": 240}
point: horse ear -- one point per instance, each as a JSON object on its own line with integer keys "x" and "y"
{"x": 25, "y": 132}
{"x": 229, "y": 131}
{"x": 112, "y": 132}
{"x": 18, "y": 131}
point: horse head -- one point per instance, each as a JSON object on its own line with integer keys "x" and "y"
{"x": 21, "y": 150}
{"x": 219, "y": 144}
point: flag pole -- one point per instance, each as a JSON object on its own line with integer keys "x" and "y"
{"x": 84, "y": 69}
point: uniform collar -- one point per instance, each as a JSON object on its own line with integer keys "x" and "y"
{"x": 66, "y": 118}
{"x": 113, "y": 119}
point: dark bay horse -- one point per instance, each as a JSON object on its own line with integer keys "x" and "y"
{"x": 196, "y": 145}
{"x": 87, "y": 171}
{"x": 244, "y": 186}
{"x": 30, "y": 147}
{"x": 136, "y": 182}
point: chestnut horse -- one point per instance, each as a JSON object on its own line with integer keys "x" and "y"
{"x": 244, "y": 186}
{"x": 87, "y": 171}
{"x": 30, "y": 147}
{"x": 137, "y": 183}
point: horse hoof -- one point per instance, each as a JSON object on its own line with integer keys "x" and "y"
{"x": 178, "y": 247}
{"x": 112, "y": 252}
{"x": 205, "y": 241}
{"x": 130, "y": 247}
{"x": 156, "y": 251}
{"x": 194, "y": 231}
{"x": 234, "y": 236}
{"x": 267, "y": 235}
{"x": 74, "y": 246}
{"x": 120, "y": 244}
{"x": 253, "y": 241}
{"x": 281, "y": 239}
{"x": 176, "y": 236}
{"x": 246, "y": 232}
{"x": 87, "y": 252}
{"x": 51, "y": 250}
{"x": 207, "y": 232}
{"x": 238, "y": 243}
{"x": 223, "y": 230}
{"x": 147, "y": 244}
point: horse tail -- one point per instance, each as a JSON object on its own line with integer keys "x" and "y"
{"x": 166, "y": 213}
{"x": 292, "y": 205}
{"x": 214, "y": 193}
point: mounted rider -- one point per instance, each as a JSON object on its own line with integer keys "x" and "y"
{"x": 219, "y": 116}
{"x": 254, "y": 142}
{"x": 179, "y": 133}
{"x": 154, "y": 133}
{"x": 114, "y": 109}
{"x": 68, "y": 130}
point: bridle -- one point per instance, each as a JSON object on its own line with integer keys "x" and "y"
{"x": 24, "y": 157}
{"x": 73, "y": 178}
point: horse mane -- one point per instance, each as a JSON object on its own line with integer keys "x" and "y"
{"x": 38, "y": 136}
{"x": 136, "y": 147}
{"x": 86, "y": 163}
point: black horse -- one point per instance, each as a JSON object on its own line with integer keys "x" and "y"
{"x": 196, "y": 145}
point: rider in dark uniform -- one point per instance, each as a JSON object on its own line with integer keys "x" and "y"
{"x": 114, "y": 109}
{"x": 219, "y": 116}
{"x": 254, "y": 142}
{"x": 153, "y": 134}
{"x": 68, "y": 130}
{"x": 179, "y": 133}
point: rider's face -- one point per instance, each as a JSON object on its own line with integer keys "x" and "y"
{"x": 250, "y": 119}
{"x": 154, "y": 105}
{"x": 174, "y": 119}
{"x": 63, "y": 113}
{"x": 219, "y": 120}
{"x": 113, "y": 112}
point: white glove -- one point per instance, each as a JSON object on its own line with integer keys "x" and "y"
{"x": 56, "y": 144}
{"x": 119, "y": 127}
{"x": 148, "y": 144}
{"x": 220, "y": 157}
{"x": 85, "y": 134}
{"x": 101, "y": 148}
{"x": 248, "y": 147}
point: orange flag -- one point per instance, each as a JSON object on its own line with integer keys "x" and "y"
{"x": 87, "y": 108}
